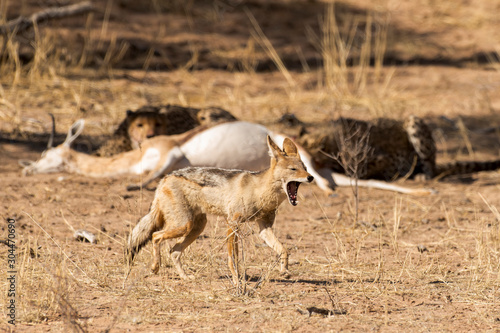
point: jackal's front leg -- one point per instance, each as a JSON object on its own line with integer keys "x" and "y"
{"x": 267, "y": 234}
{"x": 232, "y": 250}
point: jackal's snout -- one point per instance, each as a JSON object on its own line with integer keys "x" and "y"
{"x": 292, "y": 188}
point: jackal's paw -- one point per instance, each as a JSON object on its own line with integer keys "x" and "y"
{"x": 329, "y": 192}
{"x": 155, "y": 268}
{"x": 286, "y": 274}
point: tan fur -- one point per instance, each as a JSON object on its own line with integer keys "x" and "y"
{"x": 184, "y": 197}
{"x": 73, "y": 161}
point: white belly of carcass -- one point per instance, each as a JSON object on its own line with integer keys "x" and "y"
{"x": 148, "y": 162}
{"x": 236, "y": 145}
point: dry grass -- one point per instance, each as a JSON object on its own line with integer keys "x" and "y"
{"x": 367, "y": 276}
{"x": 379, "y": 261}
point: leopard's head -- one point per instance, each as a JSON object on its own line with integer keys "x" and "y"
{"x": 142, "y": 125}
{"x": 213, "y": 115}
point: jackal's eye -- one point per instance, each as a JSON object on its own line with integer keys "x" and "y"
{"x": 293, "y": 169}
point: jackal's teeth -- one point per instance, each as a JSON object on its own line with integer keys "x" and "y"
{"x": 292, "y": 189}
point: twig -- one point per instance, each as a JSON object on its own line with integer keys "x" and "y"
{"x": 493, "y": 209}
{"x": 66, "y": 221}
{"x": 23, "y": 23}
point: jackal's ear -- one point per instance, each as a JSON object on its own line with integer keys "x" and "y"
{"x": 289, "y": 147}
{"x": 274, "y": 150}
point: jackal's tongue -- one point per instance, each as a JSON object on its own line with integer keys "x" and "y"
{"x": 292, "y": 188}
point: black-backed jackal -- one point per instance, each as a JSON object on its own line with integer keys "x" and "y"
{"x": 184, "y": 197}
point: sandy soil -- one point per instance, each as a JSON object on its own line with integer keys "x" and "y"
{"x": 408, "y": 263}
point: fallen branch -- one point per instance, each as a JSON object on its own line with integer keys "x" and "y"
{"x": 23, "y": 23}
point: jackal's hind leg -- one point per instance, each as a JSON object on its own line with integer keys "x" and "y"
{"x": 160, "y": 236}
{"x": 200, "y": 221}
{"x": 267, "y": 234}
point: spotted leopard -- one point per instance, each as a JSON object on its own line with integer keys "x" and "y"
{"x": 392, "y": 149}
{"x": 149, "y": 121}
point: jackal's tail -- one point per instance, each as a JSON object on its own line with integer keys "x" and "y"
{"x": 461, "y": 168}
{"x": 142, "y": 233}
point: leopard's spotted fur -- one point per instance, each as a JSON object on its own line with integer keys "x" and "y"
{"x": 213, "y": 115}
{"x": 387, "y": 155}
{"x": 394, "y": 148}
{"x": 149, "y": 121}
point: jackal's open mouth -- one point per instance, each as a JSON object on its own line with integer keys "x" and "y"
{"x": 292, "y": 189}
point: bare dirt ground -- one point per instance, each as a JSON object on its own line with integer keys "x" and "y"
{"x": 407, "y": 264}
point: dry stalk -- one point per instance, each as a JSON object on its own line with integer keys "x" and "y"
{"x": 87, "y": 44}
{"x": 44, "y": 288}
{"x": 61, "y": 249}
{"x": 69, "y": 313}
{"x": 339, "y": 243}
{"x": 264, "y": 42}
{"x": 381, "y": 262}
{"x": 397, "y": 222}
{"x": 114, "y": 54}
{"x": 105, "y": 23}
{"x": 337, "y": 46}
{"x": 10, "y": 62}
{"x": 464, "y": 132}
{"x": 354, "y": 150}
